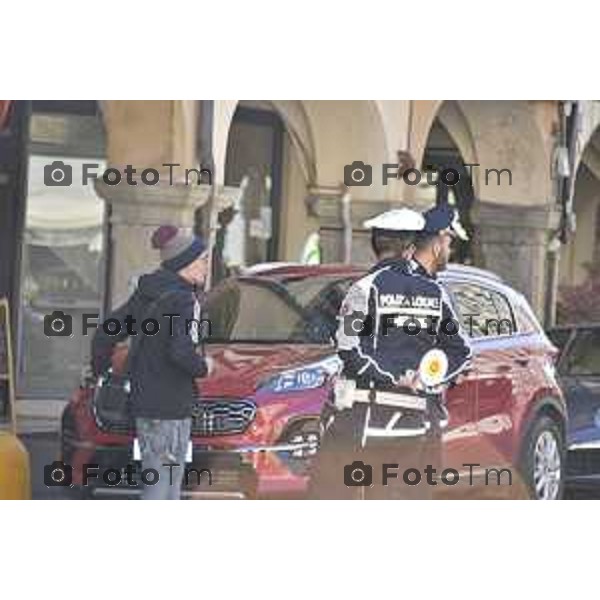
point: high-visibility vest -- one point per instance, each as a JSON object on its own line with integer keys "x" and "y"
{"x": 311, "y": 253}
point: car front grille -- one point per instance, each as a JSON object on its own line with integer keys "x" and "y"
{"x": 221, "y": 417}
{"x": 210, "y": 417}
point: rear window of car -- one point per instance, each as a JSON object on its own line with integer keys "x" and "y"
{"x": 483, "y": 311}
{"x": 526, "y": 319}
{"x": 584, "y": 354}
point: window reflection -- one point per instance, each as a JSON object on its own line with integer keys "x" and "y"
{"x": 62, "y": 253}
{"x": 483, "y": 312}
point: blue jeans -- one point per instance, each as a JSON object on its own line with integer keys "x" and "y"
{"x": 163, "y": 442}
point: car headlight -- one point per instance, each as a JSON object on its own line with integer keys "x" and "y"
{"x": 303, "y": 438}
{"x": 307, "y": 377}
{"x": 308, "y": 444}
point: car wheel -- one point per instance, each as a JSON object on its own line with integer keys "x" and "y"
{"x": 543, "y": 460}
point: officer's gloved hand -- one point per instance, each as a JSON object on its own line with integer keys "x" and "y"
{"x": 437, "y": 389}
{"x": 410, "y": 380}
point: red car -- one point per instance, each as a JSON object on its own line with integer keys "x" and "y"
{"x": 256, "y": 419}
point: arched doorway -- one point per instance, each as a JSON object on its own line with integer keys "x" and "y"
{"x": 579, "y": 270}
{"x": 583, "y": 248}
{"x": 315, "y": 140}
{"x": 512, "y": 212}
{"x": 254, "y": 162}
{"x": 448, "y": 141}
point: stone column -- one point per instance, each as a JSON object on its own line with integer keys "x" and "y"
{"x": 513, "y": 241}
{"x": 135, "y": 212}
{"x": 150, "y": 134}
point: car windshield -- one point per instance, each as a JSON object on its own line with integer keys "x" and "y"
{"x": 267, "y": 310}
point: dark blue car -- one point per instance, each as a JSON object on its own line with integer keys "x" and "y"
{"x": 579, "y": 371}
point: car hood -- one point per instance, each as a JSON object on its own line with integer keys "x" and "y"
{"x": 239, "y": 368}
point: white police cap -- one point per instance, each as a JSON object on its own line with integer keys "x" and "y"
{"x": 397, "y": 220}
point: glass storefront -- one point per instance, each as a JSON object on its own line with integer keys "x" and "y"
{"x": 62, "y": 263}
{"x": 254, "y": 156}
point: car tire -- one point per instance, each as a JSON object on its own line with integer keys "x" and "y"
{"x": 543, "y": 460}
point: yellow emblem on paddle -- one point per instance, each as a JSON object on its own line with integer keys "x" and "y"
{"x": 433, "y": 368}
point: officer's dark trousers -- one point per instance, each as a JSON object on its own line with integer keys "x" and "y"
{"x": 337, "y": 472}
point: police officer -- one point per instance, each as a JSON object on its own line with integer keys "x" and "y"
{"x": 433, "y": 244}
{"x": 387, "y": 407}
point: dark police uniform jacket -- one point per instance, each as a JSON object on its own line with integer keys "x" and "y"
{"x": 390, "y": 296}
{"x": 404, "y": 313}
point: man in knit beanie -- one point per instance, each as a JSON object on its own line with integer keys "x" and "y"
{"x": 162, "y": 365}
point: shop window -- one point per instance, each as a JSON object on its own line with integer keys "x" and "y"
{"x": 62, "y": 265}
{"x": 254, "y": 156}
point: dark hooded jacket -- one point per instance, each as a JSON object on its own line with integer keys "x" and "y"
{"x": 163, "y": 366}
